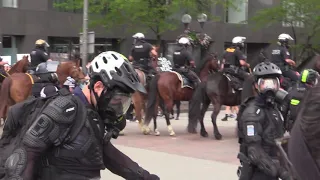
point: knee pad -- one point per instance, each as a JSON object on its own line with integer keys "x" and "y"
{"x": 16, "y": 163}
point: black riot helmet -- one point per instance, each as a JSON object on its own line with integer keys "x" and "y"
{"x": 309, "y": 76}
{"x": 47, "y": 71}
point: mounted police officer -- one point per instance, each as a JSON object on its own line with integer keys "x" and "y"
{"x": 73, "y": 140}
{"x": 234, "y": 59}
{"x": 259, "y": 123}
{"x": 39, "y": 54}
{"x": 183, "y": 61}
{"x": 282, "y": 58}
{"x": 308, "y": 79}
{"x": 141, "y": 54}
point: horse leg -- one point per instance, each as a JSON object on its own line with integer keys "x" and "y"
{"x": 216, "y": 110}
{"x": 168, "y": 108}
{"x": 204, "y": 109}
{"x": 178, "y": 103}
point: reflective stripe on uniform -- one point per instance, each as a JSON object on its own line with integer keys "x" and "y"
{"x": 304, "y": 76}
{"x": 294, "y": 102}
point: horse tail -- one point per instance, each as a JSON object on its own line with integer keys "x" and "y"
{"x": 195, "y": 102}
{"x": 153, "y": 94}
{"x": 5, "y": 95}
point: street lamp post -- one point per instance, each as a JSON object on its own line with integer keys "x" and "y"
{"x": 202, "y": 19}
{"x": 85, "y": 34}
{"x": 186, "y": 20}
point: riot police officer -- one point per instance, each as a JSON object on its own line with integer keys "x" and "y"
{"x": 73, "y": 140}
{"x": 281, "y": 57}
{"x": 259, "y": 123}
{"x": 141, "y": 54}
{"x": 48, "y": 77}
{"x": 183, "y": 61}
{"x": 39, "y": 54}
{"x": 308, "y": 79}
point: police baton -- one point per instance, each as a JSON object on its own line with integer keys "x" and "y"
{"x": 284, "y": 156}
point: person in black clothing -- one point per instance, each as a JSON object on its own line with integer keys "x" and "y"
{"x": 141, "y": 54}
{"x": 281, "y": 57}
{"x": 183, "y": 61}
{"x": 308, "y": 79}
{"x": 234, "y": 59}
{"x": 259, "y": 124}
{"x": 39, "y": 54}
{"x": 72, "y": 140}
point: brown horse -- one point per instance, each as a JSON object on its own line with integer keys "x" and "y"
{"x": 139, "y": 99}
{"x": 20, "y": 67}
{"x": 168, "y": 87}
{"x": 18, "y": 87}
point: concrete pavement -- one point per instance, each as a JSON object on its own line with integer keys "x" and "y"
{"x": 185, "y": 156}
{"x": 174, "y": 167}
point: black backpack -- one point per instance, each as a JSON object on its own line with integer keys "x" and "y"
{"x": 21, "y": 116}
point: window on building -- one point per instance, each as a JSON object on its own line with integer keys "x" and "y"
{"x": 237, "y": 11}
{"x": 6, "y": 41}
{"x": 292, "y": 13}
{"x": 10, "y": 3}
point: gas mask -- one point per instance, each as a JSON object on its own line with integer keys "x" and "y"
{"x": 269, "y": 89}
{"x": 112, "y": 107}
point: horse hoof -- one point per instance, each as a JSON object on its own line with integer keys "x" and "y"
{"x": 192, "y": 130}
{"x": 156, "y": 132}
{"x": 204, "y": 134}
{"x": 172, "y": 133}
{"x": 218, "y": 136}
{"x": 146, "y": 130}
{"x": 177, "y": 118}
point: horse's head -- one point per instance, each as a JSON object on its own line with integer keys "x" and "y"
{"x": 211, "y": 63}
{"x": 21, "y": 66}
{"x": 70, "y": 68}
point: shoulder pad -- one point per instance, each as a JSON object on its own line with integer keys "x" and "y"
{"x": 62, "y": 109}
{"x": 252, "y": 112}
{"x": 248, "y": 100}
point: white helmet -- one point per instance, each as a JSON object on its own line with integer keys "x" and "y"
{"x": 238, "y": 40}
{"x": 114, "y": 70}
{"x": 284, "y": 36}
{"x": 138, "y": 36}
{"x": 184, "y": 41}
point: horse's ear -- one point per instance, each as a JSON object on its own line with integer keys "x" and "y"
{"x": 78, "y": 62}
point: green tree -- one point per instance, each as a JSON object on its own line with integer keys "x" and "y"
{"x": 303, "y": 16}
{"x": 158, "y": 16}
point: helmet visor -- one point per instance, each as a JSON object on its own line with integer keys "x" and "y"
{"x": 120, "y": 103}
{"x": 266, "y": 84}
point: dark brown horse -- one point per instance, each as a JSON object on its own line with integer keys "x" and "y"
{"x": 139, "y": 99}
{"x": 218, "y": 91}
{"x": 18, "y": 87}
{"x": 20, "y": 67}
{"x": 167, "y": 87}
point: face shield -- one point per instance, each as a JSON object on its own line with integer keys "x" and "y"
{"x": 268, "y": 84}
{"x": 112, "y": 106}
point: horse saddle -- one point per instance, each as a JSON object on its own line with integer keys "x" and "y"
{"x": 235, "y": 83}
{"x": 185, "y": 82}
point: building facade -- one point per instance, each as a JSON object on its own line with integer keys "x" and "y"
{"x": 25, "y": 21}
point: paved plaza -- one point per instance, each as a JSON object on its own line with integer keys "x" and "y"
{"x": 185, "y": 156}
